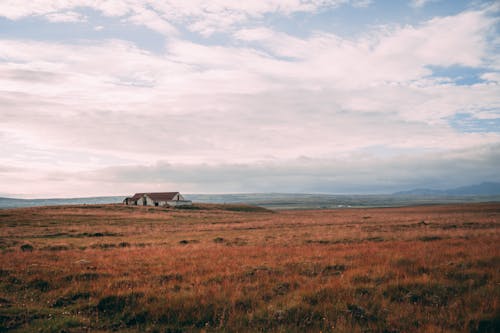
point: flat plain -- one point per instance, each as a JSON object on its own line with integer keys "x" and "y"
{"x": 236, "y": 268}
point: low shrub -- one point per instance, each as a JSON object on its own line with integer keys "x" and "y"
{"x": 26, "y": 248}
{"x": 40, "y": 285}
{"x": 433, "y": 294}
{"x": 430, "y": 238}
{"x": 115, "y": 304}
{"x": 70, "y": 299}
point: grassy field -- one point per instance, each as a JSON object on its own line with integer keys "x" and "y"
{"x": 233, "y": 268}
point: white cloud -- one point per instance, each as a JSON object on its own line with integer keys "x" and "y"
{"x": 68, "y": 16}
{"x": 442, "y": 41}
{"x": 394, "y": 54}
{"x": 362, "y": 3}
{"x": 421, "y": 3}
{"x": 202, "y": 16}
{"x": 361, "y": 173}
{"x": 491, "y": 76}
{"x": 152, "y": 20}
{"x": 380, "y": 74}
{"x": 265, "y": 102}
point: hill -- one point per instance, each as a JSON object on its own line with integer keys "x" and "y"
{"x": 14, "y": 203}
{"x": 279, "y": 201}
{"x": 485, "y": 188}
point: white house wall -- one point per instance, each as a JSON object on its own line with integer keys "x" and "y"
{"x": 149, "y": 201}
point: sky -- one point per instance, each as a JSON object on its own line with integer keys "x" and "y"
{"x": 109, "y": 97}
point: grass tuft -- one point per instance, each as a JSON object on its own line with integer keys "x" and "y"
{"x": 27, "y": 248}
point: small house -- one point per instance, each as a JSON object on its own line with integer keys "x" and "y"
{"x": 163, "y": 199}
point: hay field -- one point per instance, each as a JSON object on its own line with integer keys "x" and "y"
{"x": 234, "y": 268}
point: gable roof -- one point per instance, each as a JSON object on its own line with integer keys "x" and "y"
{"x": 162, "y": 196}
{"x": 156, "y": 196}
{"x": 137, "y": 196}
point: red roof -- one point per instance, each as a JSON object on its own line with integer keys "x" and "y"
{"x": 158, "y": 196}
{"x": 162, "y": 196}
{"x": 137, "y": 196}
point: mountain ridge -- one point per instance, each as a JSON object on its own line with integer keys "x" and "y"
{"x": 484, "y": 188}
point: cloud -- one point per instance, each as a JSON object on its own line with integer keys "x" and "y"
{"x": 491, "y": 76}
{"x": 151, "y": 20}
{"x": 356, "y": 172}
{"x": 421, "y": 3}
{"x": 362, "y": 3}
{"x": 68, "y": 16}
{"x": 433, "y": 43}
{"x": 364, "y": 173}
{"x": 304, "y": 100}
{"x": 266, "y": 110}
{"x": 201, "y": 16}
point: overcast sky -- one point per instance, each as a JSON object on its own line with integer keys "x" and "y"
{"x": 113, "y": 97}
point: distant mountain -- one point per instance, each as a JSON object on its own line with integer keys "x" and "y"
{"x": 485, "y": 188}
{"x": 278, "y": 201}
{"x": 14, "y": 203}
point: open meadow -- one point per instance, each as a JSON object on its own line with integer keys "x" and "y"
{"x": 235, "y": 268}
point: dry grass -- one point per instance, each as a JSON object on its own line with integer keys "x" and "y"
{"x": 235, "y": 268}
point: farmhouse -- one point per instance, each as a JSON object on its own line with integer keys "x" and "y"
{"x": 165, "y": 199}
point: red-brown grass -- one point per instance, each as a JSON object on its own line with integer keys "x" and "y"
{"x": 112, "y": 267}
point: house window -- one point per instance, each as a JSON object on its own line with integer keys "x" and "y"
{"x": 156, "y": 204}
